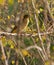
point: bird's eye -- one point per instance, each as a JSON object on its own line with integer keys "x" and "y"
{"x": 26, "y": 16}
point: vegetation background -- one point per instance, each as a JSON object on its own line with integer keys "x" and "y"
{"x": 32, "y": 44}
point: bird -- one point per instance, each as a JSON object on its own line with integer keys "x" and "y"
{"x": 21, "y": 24}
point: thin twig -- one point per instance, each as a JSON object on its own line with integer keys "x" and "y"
{"x": 34, "y": 46}
{"x": 50, "y": 28}
{"x": 26, "y": 34}
{"x": 48, "y": 8}
{"x": 22, "y": 57}
{"x": 3, "y": 52}
{"x": 36, "y": 20}
{"x": 38, "y": 48}
{"x": 39, "y": 51}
